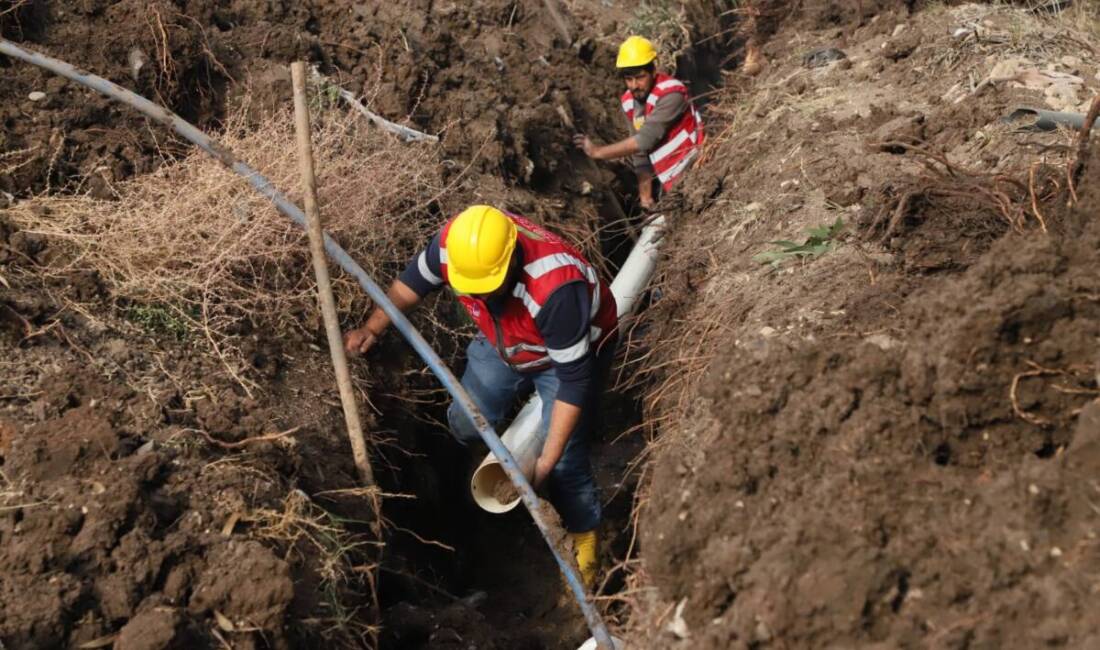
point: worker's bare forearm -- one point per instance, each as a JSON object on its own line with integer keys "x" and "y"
{"x": 620, "y": 149}
{"x": 645, "y": 187}
{"x": 403, "y": 297}
{"x": 563, "y": 419}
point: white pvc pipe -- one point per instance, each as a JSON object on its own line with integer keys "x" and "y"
{"x": 634, "y": 276}
{"x": 522, "y": 436}
{"x": 592, "y": 644}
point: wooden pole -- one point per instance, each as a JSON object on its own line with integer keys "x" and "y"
{"x": 324, "y": 285}
{"x": 328, "y": 313}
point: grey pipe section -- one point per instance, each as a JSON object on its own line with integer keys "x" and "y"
{"x": 340, "y": 256}
{"x": 1045, "y": 120}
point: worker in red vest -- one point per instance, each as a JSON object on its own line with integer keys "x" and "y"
{"x": 547, "y": 324}
{"x": 666, "y": 131}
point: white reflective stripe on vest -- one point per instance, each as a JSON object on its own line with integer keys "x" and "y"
{"x": 533, "y": 308}
{"x": 425, "y": 272}
{"x": 528, "y": 365}
{"x": 628, "y": 106}
{"x": 678, "y": 168}
{"x": 512, "y": 350}
{"x": 544, "y": 265}
{"x": 595, "y": 301}
{"x": 670, "y": 147}
{"x": 672, "y": 83}
{"x": 571, "y": 353}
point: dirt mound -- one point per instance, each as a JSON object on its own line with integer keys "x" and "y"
{"x": 145, "y": 498}
{"x": 98, "y": 532}
{"x": 494, "y": 76}
{"x": 159, "y": 498}
{"x": 913, "y": 485}
{"x": 887, "y": 446}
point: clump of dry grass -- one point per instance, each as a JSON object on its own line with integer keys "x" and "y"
{"x": 1019, "y": 28}
{"x": 665, "y": 23}
{"x": 1080, "y": 15}
{"x": 195, "y": 238}
{"x": 15, "y": 495}
{"x": 311, "y": 535}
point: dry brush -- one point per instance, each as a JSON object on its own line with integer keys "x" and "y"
{"x": 195, "y": 239}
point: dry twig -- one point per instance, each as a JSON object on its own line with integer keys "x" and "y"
{"x": 1082, "y": 144}
{"x": 238, "y": 444}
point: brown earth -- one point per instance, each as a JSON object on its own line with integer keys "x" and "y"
{"x": 892, "y": 444}
{"x": 889, "y": 445}
{"x": 120, "y": 518}
{"x": 151, "y": 500}
{"x": 489, "y": 76}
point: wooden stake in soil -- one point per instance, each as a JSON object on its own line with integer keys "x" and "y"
{"x": 324, "y": 286}
{"x": 328, "y": 313}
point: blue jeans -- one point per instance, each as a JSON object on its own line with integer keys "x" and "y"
{"x": 495, "y": 387}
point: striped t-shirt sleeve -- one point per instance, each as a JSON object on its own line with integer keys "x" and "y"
{"x": 564, "y": 325}
{"x": 424, "y": 273}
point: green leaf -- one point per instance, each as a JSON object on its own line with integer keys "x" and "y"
{"x": 784, "y": 243}
{"x": 770, "y": 257}
{"x": 819, "y": 240}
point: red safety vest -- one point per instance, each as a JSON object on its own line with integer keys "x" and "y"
{"x": 548, "y": 263}
{"x": 681, "y": 144}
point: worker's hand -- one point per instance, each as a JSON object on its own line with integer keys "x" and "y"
{"x": 647, "y": 202}
{"x": 584, "y": 144}
{"x": 543, "y": 466}
{"x": 358, "y": 341}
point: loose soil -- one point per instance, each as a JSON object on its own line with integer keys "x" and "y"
{"x": 505, "y": 493}
{"x": 490, "y": 76}
{"x": 892, "y": 444}
{"x": 889, "y": 445}
{"x": 150, "y": 500}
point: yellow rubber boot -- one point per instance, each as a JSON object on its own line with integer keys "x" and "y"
{"x": 754, "y": 60}
{"x": 584, "y": 545}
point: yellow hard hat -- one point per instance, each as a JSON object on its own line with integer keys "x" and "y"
{"x": 635, "y": 52}
{"x": 479, "y": 248}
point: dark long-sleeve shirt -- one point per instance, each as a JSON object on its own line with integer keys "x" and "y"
{"x": 563, "y": 323}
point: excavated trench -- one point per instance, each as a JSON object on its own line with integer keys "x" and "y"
{"x": 891, "y": 446}
{"x": 500, "y": 570}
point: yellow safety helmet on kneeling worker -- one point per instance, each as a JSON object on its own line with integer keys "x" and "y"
{"x": 479, "y": 249}
{"x": 635, "y": 52}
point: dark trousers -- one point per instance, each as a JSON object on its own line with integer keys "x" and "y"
{"x": 495, "y": 387}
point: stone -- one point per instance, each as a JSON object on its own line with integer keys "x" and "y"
{"x": 1008, "y": 69}
{"x": 1062, "y": 97}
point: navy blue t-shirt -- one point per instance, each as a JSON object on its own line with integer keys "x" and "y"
{"x": 563, "y": 322}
